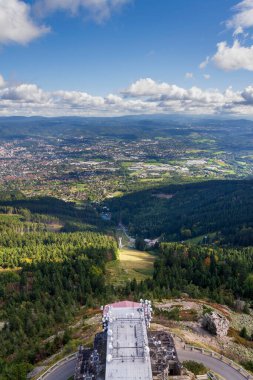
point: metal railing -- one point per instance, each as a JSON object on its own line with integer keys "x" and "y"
{"x": 189, "y": 347}
{"x": 58, "y": 364}
{"x": 215, "y": 355}
{"x": 211, "y": 376}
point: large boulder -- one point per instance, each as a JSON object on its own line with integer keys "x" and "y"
{"x": 215, "y": 323}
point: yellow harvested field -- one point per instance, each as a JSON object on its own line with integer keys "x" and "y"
{"x": 131, "y": 264}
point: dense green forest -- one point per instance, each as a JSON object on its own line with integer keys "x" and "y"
{"x": 46, "y": 274}
{"x": 221, "y": 274}
{"x": 53, "y": 258}
{"x": 222, "y": 209}
{"x": 49, "y": 210}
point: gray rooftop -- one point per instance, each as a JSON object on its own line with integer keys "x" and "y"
{"x": 127, "y": 345}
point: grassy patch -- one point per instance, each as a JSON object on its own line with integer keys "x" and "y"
{"x": 176, "y": 314}
{"x": 188, "y": 315}
{"x": 194, "y": 367}
{"x": 239, "y": 339}
{"x": 248, "y": 365}
{"x": 131, "y": 264}
{"x": 10, "y": 217}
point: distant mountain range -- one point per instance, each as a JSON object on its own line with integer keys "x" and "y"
{"x": 136, "y": 126}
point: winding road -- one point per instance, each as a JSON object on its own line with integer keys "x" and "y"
{"x": 64, "y": 371}
{"x": 212, "y": 363}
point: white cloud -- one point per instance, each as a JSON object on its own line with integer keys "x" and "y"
{"x": 149, "y": 87}
{"x": 243, "y": 18}
{"x": 99, "y": 10}
{"x": 247, "y": 95}
{"x": 189, "y": 75}
{"x": 235, "y": 57}
{"x": 154, "y": 91}
{"x": 25, "y": 93}
{"x": 239, "y": 30}
{"x": 16, "y": 25}
{"x": 2, "y": 81}
{"x": 207, "y": 76}
{"x": 203, "y": 64}
{"x": 77, "y": 99}
{"x": 145, "y": 96}
{"x": 240, "y": 54}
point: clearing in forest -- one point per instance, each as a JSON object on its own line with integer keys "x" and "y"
{"x": 131, "y": 264}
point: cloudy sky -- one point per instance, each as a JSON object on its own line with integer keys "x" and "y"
{"x": 117, "y": 57}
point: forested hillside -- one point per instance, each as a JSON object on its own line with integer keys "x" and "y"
{"x": 53, "y": 258}
{"x": 180, "y": 212}
{"x": 46, "y": 274}
{"x": 220, "y": 274}
{"x": 49, "y": 210}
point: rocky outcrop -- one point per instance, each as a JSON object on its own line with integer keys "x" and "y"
{"x": 216, "y": 324}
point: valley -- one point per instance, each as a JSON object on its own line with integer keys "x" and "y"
{"x": 126, "y": 190}
{"x": 107, "y": 215}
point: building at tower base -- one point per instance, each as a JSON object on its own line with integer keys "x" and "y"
{"x": 127, "y": 349}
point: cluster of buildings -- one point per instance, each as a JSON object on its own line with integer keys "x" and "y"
{"x": 98, "y": 167}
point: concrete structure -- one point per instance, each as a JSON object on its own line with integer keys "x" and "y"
{"x": 127, "y": 343}
{"x": 125, "y": 350}
{"x": 216, "y": 324}
{"x": 163, "y": 355}
{"x": 90, "y": 363}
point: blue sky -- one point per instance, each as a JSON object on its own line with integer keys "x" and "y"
{"x": 68, "y": 56}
